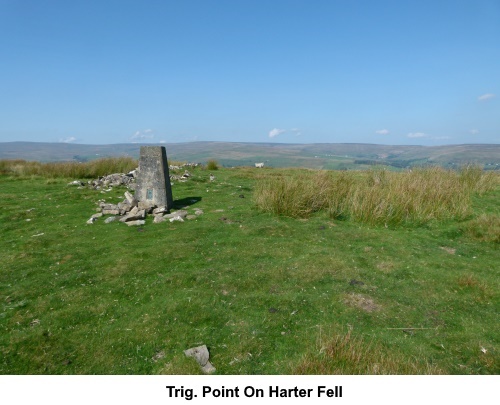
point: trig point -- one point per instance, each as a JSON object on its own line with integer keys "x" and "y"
{"x": 153, "y": 180}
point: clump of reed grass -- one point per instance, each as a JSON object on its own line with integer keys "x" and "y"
{"x": 342, "y": 353}
{"x": 212, "y": 164}
{"x": 293, "y": 195}
{"x": 75, "y": 170}
{"x": 376, "y": 196}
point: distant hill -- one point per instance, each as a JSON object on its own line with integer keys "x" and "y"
{"x": 317, "y": 156}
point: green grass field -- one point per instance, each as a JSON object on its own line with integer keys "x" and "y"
{"x": 267, "y": 293}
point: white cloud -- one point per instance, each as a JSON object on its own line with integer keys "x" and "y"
{"x": 417, "y": 135}
{"x": 474, "y": 131}
{"x": 485, "y": 97}
{"x": 69, "y": 139}
{"x": 278, "y": 131}
{"x": 141, "y": 135}
{"x": 275, "y": 132}
{"x": 163, "y": 141}
{"x": 382, "y": 132}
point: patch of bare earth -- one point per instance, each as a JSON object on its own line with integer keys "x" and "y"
{"x": 449, "y": 250}
{"x": 385, "y": 267}
{"x": 362, "y": 302}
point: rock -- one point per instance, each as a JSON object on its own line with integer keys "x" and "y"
{"x": 191, "y": 217}
{"x": 198, "y": 212}
{"x": 91, "y": 221}
{"x": 158, "y": 219}
{"x": 136, "y": 223}
{"x": 115, "y": 179}
{"x": 106, "y": 206}
{"x": 110, "y": 219}
{"x": 177, "y": 218}
{"x": 160, "y": 210}
{"x": 133, "y": 217}
{"x": 76, "y": 183}
{"x": 134, "y": 211}
{"x": 181, "y": 213}
{"x": 111, "y": 212}
{"x": 98, "y": 215}
{"x": 201, "y": 355}
{"x": 124, "y": 206}
{"x": 130, "y": 199}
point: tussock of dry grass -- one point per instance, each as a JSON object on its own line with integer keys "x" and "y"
{"x": 346, "y": 354}
{"x": 75, "y": 170}
{"x": 212, "y": 164}
{"x": 377, "y": 196}
{"x": 486, "y": 228}
{"x": 296, "y": 196}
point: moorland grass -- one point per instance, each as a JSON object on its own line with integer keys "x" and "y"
{"x": 377, "y": 196}
{"x": 342, "y": 353}
{"x": 268, "y": 294}
{"x": 76, "y": 170}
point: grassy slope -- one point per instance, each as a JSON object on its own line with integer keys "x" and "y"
{"x": 264, "y": 293}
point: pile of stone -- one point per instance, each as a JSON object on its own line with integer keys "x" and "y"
{"x": 133, "y": 212}
{"x": 128, "y": 180}
{"x": 182, "y": 166}
{"x": 114, "y": 180}
{"x": 182, "y": 178}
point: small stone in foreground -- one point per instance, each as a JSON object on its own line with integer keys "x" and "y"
{"x": 136, "y": 223}
{"x": 201, "y": 355}
{"x": 158, "y": 219}
{"x": 177, "y": 218}
{"x": 181, "y": 213}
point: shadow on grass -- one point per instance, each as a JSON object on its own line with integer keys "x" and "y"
{"x": 188, "y": 201}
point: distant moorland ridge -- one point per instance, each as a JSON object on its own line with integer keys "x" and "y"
{"x": 317, "y": 156}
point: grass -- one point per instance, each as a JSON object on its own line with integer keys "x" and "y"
{"x": 212, "y": 164}
{"x": 376, "y": 196}
{"x": 84, "y": 170}
{"x": 344, "y": 354}
{"x": 267, "y": 293}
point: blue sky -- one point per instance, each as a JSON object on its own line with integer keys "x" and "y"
{"x": 389, "y": 72}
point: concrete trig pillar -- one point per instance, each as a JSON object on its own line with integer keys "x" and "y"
{"x": 153, "y": 180}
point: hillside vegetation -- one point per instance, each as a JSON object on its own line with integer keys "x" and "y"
{"x": 376, "y": 196}
{"x": 330, "y": 156}
{"x": 286, "y": 272}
